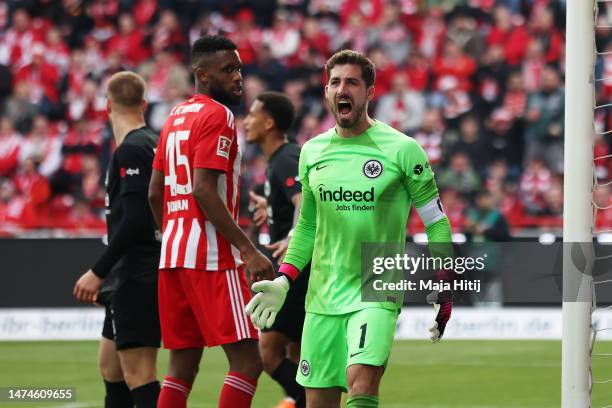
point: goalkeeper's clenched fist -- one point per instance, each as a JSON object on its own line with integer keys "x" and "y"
{"x": 269, "y": 298}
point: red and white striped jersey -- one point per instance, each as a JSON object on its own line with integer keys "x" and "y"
{"x": 199, "y": 133}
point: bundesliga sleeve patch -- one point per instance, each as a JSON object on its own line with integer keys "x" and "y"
{"x": 290, "y": 182}
{"x": 223, "y": 147}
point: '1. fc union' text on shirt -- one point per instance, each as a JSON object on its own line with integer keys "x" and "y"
{"x": 199, "y": 133}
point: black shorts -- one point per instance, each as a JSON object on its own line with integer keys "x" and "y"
{"x": 290, "y": 318}
{"x": 132, "y": 316}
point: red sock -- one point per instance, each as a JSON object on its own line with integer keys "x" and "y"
{"x": 174, "y": 393}
{"x": 237, "y": 391}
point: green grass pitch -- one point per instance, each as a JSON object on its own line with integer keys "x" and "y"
{"x": 474, "y": 374}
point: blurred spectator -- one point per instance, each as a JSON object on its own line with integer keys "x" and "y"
{"x": 601, "y": 154}
{"x": 431, "y": 32}
{"x": 453, "y": 100}
{"x": 353, "y": 35}
{"x": 272, "y": 72}
{"x": 91, "y": 187}
{"x": 309, "y": 129}
{"x": 454, "y": 208}
{"x": 78, "y": 73}
{"x": 509, "y": 33}
{"x": 472, "y": 143}
{"x": 10, "y": 143}
{"x": 417, "y": 69}
{"x": 485, "y": 223}
{"x": 490, "y": 80}
{"x": 606, "y": 72}
{"x": 103, "y": 13}
{"x": 534, "y": 182}
{"x": 15, "y": 212}
{"x": 20, "y": 108}
{"x": 545, "y": 120}
{"x": 34, "y": 188}
{"x": 543, "y": 28}
{"x": 32, "y": 184}
{"x": 313, "y": 38}
{"x": 247, "y": 36}
{"x": 203, "y": 26}
{"x": 128, "y": 43}
{"x": 402, "y": 108}
{"x": 460, "y": 175}
{"x": 162, "y": 71}
{"x": 453, "y": 64}
{"x": 392, "y": 34}
{"x": 56, "y": 50}
{"x": 553, "y": 198}
{"x": 282, "y": 39}
{"x": 533, "y": 65}
{"x": 42, "y": 147}
{"x": 43, "y": 79}
{"x": 145, "y": 12}
{"x": 168, "y": 35}
{"x": 174, "y": 92}
{"x": 89, "y": 104}
{"x": 372, "y": 11}
{"x": 385, "y": 70}
{"x": 515, "y": 98}
{"x": 95, "y": 62}
{"x": 252, "y": 86}
{"x": 602, "y": 200}
{"x": 82, "y": 139}
{"x": 430, "y": 135}
{"x": 18, "y": 41}
{"x": 463, "y": 30}
{"x": 505, "y": 140}
{"x": 6, "y": 79}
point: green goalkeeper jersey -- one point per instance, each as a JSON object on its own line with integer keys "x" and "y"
{"x": 356, "y": 190}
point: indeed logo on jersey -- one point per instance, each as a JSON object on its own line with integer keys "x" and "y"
{"x": 348, "y": 196}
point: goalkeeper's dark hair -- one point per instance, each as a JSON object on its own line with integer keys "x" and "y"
{"x": 350, "y": 57}
{"x": 208, "y": 45}
{"x": 279, "y": 107}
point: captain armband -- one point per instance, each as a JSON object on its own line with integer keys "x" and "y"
{"x": 431, "y": 212}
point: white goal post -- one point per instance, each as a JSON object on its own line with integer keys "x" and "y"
{"x": 578, "y": 211}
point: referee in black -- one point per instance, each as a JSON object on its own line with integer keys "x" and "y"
{"x": 127, "y": 271}
{"x": 266, "y": 124}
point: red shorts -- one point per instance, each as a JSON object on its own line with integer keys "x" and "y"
{"x": 203, "y": 308}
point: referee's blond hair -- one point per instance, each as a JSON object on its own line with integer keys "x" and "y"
{"x": 126, "y": 89}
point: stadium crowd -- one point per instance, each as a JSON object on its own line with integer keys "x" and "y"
{"x": 479, "y": 83}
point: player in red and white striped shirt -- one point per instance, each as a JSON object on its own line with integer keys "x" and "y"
{"x": 194, "y": 197}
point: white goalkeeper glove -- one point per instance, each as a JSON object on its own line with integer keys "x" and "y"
{"x": 265, "y": 305}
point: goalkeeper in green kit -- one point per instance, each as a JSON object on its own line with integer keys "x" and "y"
{"x": 359, "y": 180}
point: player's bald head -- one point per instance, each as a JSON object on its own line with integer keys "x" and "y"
{"x": 205, "y": 49}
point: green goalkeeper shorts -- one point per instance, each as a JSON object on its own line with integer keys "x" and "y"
{"x": 331, "y": 343}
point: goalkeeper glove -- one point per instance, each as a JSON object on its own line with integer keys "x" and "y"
{"x": 443, "y": 305}
{"x": 265, "y": 305}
